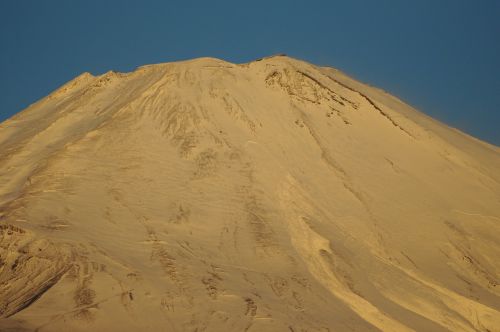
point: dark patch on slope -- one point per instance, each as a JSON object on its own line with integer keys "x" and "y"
{"x": 35, "y": 296}
{"x": 371, "y": 102}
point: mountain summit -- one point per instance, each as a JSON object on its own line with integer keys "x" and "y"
{"x": 268, "y": 196}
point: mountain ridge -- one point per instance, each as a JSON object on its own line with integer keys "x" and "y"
{"x": 271, "y": 195}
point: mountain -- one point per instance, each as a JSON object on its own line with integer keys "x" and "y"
{"x": 268, "y": 196}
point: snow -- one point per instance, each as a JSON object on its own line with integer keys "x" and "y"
{"x": 268, "y": 196}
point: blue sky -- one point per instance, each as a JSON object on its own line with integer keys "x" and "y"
{"x": 443, "y": 57}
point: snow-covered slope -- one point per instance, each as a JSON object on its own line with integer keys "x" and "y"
{"x": 269, "y": 196}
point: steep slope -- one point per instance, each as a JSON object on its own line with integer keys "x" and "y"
{"x": 268, "y": 196}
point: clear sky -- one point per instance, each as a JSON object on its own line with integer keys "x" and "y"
{"x": 441, "y": 56}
